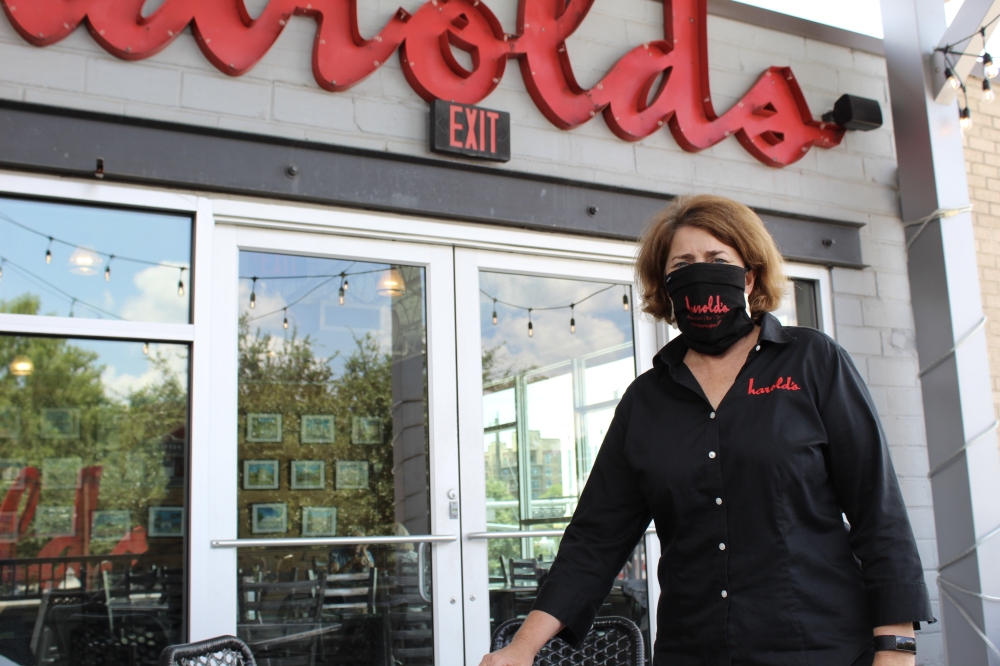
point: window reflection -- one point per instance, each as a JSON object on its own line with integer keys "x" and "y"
{"x": 84, "y": 261}
{"x": 549, "y": 394}
{"x": 333, "y": 442}
{"x": 93, "y": 445}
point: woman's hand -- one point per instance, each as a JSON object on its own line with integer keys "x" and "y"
{"x": 538, "y": 628}
{"x": 512, "y": 655}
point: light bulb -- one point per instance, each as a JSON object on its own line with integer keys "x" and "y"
{"x": 285, "y": 322}
{"x": 347, "y": 284}
{"x": 253, "y": 300}
{"x": 531, "y": 330}
{"x": 48, "y": 256}
{"x": 988, "y": 94}
{"x": 391, "y": 283}
{"x": 572, "y": 325}
{"x": 494, "y": 317}
{"x": 965, "y": 119}
{"x": 107, "y": 273}
{"x": 21, "y": 366}
{"x": 180, "y": 287}
{"x": 625, "y": 302}
{"x": 990, "y": 68}
{"x": 145, "y": 349}
{"x": 952, "y": 79}
{"x": 340, "y": 296}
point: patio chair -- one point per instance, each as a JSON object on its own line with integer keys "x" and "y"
{"x": 613, "y": 641}
{"x": 219, "y": 651}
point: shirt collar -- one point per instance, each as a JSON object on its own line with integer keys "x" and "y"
{"x": 771, "y": 330}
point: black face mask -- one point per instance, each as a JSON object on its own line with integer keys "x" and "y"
{"x": 710, "y": 306}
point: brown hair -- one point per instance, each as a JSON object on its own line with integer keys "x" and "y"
{"x": 729, "y": 221}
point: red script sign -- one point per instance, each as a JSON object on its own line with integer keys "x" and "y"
{"x": 664, "y": 82}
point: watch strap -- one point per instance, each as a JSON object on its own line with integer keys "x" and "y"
{"x": 895, "y": 644}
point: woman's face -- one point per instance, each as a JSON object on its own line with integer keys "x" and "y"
{"x": 692, "y": 245}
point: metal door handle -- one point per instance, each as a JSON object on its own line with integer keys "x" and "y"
{"x": 421, "y": 549}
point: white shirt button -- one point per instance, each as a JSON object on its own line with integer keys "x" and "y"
{"x": 711, "y": 454}
{"x": 724, "y": 594}
{"x": 712, "y": 415}
{"x": 757, "y": 348}
{"x": 718, "y": 500}
{"x": 722, "y": 546}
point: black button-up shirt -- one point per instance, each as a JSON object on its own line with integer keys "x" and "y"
{"x": 757, "y": 565}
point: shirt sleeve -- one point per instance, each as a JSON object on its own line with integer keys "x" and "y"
{"x": 609, "y": 520}
{"x": 868, "y": 492}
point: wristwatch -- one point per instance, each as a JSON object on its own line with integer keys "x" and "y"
{"x": 896, "y": 644}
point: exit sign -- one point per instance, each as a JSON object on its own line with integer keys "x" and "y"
{"x": 472, "y": 131}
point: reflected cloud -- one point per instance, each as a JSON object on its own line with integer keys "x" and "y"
{"x": 119, "y": 385}
{"x": 157, "y": 300}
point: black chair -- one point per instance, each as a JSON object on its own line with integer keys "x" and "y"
{"x": 220, "y": 651}
{"x": 613, "y": 641}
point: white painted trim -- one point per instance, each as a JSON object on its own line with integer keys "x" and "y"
{"x": 95, "y": 328}
{"x": 71, "y": 190}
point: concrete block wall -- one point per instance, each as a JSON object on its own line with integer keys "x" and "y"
{"x": 982, "y": 170}
{"x": 855, "y": 181}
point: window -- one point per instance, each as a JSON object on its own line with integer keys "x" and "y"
{"x": 93, "y": 433}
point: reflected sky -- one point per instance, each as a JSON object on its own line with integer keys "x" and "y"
{"x": 84, "y": 238}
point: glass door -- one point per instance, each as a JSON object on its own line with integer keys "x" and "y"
{"x": 340, "y": 451}
{"x": 549, "y": 347}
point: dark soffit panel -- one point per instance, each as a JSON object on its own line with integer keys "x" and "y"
{"x": 53, "y": 140}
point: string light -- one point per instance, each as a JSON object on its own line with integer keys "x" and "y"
{"x": 107, "y": 269}
{"x": 494, "y": 312}
{"x": 340, "y": 295}
{"x": 625, "y": 300}
{"x": 571, "y": 306}
{"x": 572, "y": 319}
{"x": 988, "y": 95}
{"x": 531, "y": 327}
{"x": 965, "y": 119}
{"x": 253, "y": 294}
{"x": 180, "y": 284}
{"x": 952, "y": 79}
{"x": 145, "y": 349}
{"x": 990, "y": 68}
{"x": 347, "y": 283}
{"x": 48, "y": 252}
{"x": 285, "y": 322}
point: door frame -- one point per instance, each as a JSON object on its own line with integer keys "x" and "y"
{"x": 468, "y": 263}
{"x": 214, "y": 495}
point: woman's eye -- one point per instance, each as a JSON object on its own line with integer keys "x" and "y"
{"x": 720, "y": 260}
{"x": 680, "y": 264}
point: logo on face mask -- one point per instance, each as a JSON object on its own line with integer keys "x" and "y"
{"x": 783, "y": 384}
{"x": 714, "y": 306}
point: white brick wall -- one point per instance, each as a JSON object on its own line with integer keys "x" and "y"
{"x": 855, "y": 181}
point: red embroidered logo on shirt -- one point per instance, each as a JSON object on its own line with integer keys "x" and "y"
{"x": 714, "y": 306}
{"x": 783, "y": 384}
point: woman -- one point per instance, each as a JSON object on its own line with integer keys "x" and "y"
{"x": 748, "y": 444}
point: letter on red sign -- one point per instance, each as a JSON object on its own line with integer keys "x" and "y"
{"x": 470, "y": 138}
{"x": 454, "y": 126}
{"x": 493, "y": 116}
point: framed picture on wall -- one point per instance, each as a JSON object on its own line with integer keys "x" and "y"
{"x": 10, "y": 474}
{"x": 269, "y": 518}
{"x": 319, "y": 521}
{"x": 8, "y": 526}
{"x": 260, "y": 475}
{"x": 263, "y": 427}
{"x": 61, "y": 473}
{"x": 352, "y": 475}
{"x": 166, "y": 521}
{"x": 317, "y": 429}
{"x": 366, "y": 430}
{"x": 110, "y": 525}
{"x": 308, "y": 475}
{"x": 55, "y": 521}
{"x": 60, "y": 423}
{"x": 10, "y": 422}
